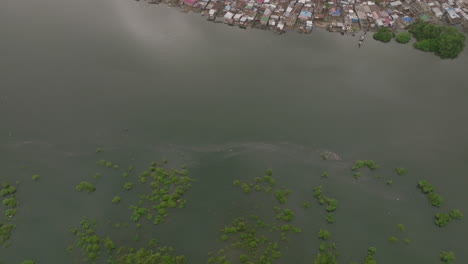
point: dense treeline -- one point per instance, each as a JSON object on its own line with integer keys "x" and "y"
{"x": 446, "y": 42}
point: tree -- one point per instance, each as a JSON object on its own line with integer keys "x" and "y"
{"x": 403, "y": 37}
{"x": 383, "y": 35}
{"x": 446, "y": 42}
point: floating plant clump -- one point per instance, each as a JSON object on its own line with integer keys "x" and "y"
{"x": 167, "y": 190}
{"x": 253, "y": 240}
{"x": 85, "y": 186}
{"x": 448, "y": 257}
{"x": 332, "y": 204}
{"x": 264, "y": 183}
{"x": 364, "y": 163}
{"x": 92, "y": 248}
{"x": 7, "y": 194}
{"x": 435, "y": 199}
{"x": 327, "y": 252}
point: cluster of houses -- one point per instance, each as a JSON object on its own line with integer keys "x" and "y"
{"x": 334, "y": 15}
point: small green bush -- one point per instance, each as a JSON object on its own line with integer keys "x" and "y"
{"x": 116, "y": 199}
{"x": 456, "y": 214}
{"x": 323, "y": 234}
{"x": 85, "y": 186}
{"x": 442, "y": 219}
{"x": 447, "y": 256}
{"x": 403, "y": 37}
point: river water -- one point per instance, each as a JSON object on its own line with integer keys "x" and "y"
{"x": 147, "y": 82}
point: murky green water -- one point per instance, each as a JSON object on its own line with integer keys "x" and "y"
{"x": 75, "y": 74}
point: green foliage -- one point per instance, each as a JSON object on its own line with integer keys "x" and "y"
{"x": 281, "y": 195}
{"x": 446, "y": 42}
{"x": 10, "y": 212}
{"x": 269, "y": 172}
{"x": 7, "y": 189}
{"x": 406, "y": 240}
{"x": 435, "y": 199}
{"x": 401, "y": 227}
{"x": 425, "y": 186}
{"x": 236, "y": 183}
{"x": 400, "y": 171}
{"x": 108, "y": 164}
{"x": 35, "y": 177}
{"x": 403, "y": 37}
{"x": 372, "y": 165}
{"x": 389, "y": 182}
{"x": 447, "y": 257}
{"x": 85, "y": 186}
{"x": 324, "y": 174}
{"x": 98, "y": 150}
{"x": 162, "y": 255}
{"x": 5, "y": 232}
{"x": 323, "y": 234}
{"x": 28, "y": 262}
{"x": 442, "y": 219}
{"x": 109, "y": 245}
{"x": 10, "y": 202}
{"x": 393, "y": 239}
{"x": 286, "y": 215}
{"x": 246, "y": 236}
{"x": 305, "y": 205}
{"x": 456, "y": 214}
{"x": 116, "y": 199}
{"x": 332, "y": 205}
{"x": 330, "y": 219}
{"x": 128, "y": 186}
{"x": 383, "y": 35}
{"x": 245, "y": 187}
{"x": 87, "y": 239}
{"x": 317, "y": 191}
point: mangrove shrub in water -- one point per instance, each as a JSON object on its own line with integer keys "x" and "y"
{"x": 445, "y": 42}
{"x": 323, "y": 234}
{"x": 442, "y": 219}
{"x": 447, "y": 257}
{"x": 456, "y": 214}
{"x": 85, "y": 186}
{"x": 116, "y": 199}
{"x": 35, "y": 177}
{"x": 400, "y": 171}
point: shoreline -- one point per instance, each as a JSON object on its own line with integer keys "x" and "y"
{"x": 304, "y": 16}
